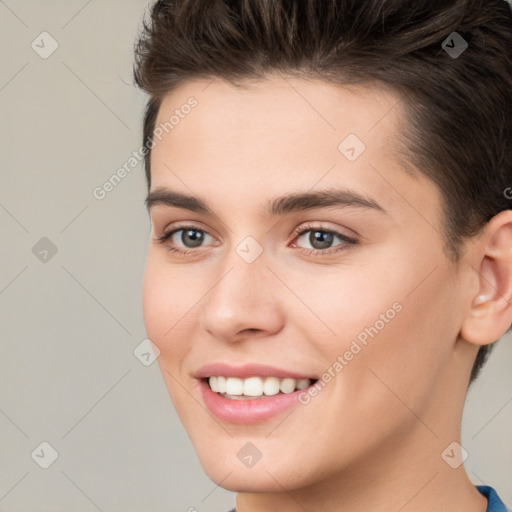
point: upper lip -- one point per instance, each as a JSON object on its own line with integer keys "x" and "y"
{"x": 247, "y": 370}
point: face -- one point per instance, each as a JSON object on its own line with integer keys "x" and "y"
{"x": 352, "y": 289}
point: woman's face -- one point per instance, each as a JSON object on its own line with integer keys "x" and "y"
{"x": 365, "y": 295}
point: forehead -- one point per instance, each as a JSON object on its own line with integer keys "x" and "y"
{"x": 274, "y": 122}
{"x": 296, "y": 105}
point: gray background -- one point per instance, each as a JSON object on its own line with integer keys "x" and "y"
{"x": 70, "y": 323}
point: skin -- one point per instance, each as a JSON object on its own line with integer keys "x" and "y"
{"x": 372, "y": 439}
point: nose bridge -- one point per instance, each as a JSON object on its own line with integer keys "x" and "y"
{"x": 244, "y": 276}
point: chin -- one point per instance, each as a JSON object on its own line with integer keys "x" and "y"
{"x": 264, "y": 476}
{"x": 247, "y": 480}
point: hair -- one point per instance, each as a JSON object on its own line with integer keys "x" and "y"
{"x": 457, "y": 109}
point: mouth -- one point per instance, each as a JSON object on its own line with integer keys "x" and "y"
{"x": 253, "y": 399}
{"x": 256, "y": 387}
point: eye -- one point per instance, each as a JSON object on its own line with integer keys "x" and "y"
{"x": 191, "y": 237}
{"x": 321, "y": 240}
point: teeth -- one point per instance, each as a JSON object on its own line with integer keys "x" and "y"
{"x": 287, "y": 385}
{"x": 253, "y": 386}
{"x": 234, "y": 386}
{"x": 271, "y": 386}
{"x": 256, "y": 386}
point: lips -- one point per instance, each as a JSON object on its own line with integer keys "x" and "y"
{"x": 247, "y": 412}
{"x": 249, "y": 370}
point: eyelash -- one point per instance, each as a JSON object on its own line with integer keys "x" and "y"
{"x": 348, "y": 242}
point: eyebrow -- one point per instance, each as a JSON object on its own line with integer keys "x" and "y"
{"x": 295, "y": 202}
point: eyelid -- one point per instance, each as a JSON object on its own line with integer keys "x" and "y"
{"x": 299, "y": 230}
{"x": 183, "y": 225}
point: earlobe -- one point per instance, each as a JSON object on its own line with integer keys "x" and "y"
{"x": 490, "y": 313}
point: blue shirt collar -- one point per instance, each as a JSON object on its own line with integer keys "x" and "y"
{"x": 494, "y": 502}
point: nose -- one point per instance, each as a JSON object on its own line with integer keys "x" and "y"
{"x": 245, "y": 300}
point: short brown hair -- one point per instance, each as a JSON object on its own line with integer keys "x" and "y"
{"x": 458, "y": 107}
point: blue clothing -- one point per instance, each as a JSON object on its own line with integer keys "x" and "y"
{"x": 494, "y": 503}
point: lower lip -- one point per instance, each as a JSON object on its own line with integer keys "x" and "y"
{"x": 248, "y": 411}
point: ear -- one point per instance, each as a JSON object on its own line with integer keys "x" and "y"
{"x": 490, "y": 313}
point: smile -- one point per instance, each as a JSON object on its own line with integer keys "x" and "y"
{"x": 236, "y": 407}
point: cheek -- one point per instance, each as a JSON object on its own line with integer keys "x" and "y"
{"x": 154, "y": 302}
{"x": 409, "y": 354}
{"x": 344, "y": 304}
{"x": 168, "y": 299}
{"x": 383, "y": 321}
